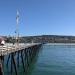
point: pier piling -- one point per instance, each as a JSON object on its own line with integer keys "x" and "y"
{"x": 16, "y": 57}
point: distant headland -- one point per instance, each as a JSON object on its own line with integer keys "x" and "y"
{"x": 43, "y": 39}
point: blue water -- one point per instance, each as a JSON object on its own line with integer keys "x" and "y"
{"x": 55, "y": 60}
{"x": 50, "y": 60}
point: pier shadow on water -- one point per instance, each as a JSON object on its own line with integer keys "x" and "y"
{"x": 20, "y": 62}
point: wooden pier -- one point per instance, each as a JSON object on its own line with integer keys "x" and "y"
{"x": 13, "y": 55}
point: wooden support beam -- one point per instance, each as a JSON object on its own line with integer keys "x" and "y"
{"x": 1, "y": 70}
{"x": 8, "y": 60}
{"x": 25, "y": 55}
{"x": 27, "y": 51}
{"x": 1, "y": 65}
{"x": 30, "y": 54}
{"x": 22, "y": 60}
{"x": 11, "y": 65}
{"x": 15, "y": 67}
{"x": 18, "y": 59}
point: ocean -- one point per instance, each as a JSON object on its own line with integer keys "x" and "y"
{"x": 51, "y": 59}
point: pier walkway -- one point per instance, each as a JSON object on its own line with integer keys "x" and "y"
{"x": 9, "y": 48}
{"x": 13, "y": 55}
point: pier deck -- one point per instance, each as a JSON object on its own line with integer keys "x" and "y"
{"x": 12, "y": 55}
{"x": 9, "y": 48}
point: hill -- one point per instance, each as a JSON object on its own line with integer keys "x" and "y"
{"x": 44, "y": 39}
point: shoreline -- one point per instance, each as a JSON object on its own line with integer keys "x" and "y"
{"x": 60, "y": 44}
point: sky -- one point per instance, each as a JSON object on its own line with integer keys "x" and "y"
{"x": 38, "y": 17}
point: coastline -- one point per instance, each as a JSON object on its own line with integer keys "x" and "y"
{"x": 61, "y": 44}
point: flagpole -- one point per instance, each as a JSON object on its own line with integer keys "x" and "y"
{"x": 17, "y": 28}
